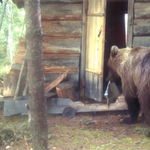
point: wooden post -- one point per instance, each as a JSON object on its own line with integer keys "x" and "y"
{"x": 83, "y": 51}
{"x": 130, "y": 24}
{"x": 66, "y": 90}
{"x": 19, "y": 79}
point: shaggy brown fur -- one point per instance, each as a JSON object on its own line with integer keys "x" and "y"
{"x": 132, "y": 65}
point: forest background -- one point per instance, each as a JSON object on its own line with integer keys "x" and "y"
{"x": 11, "y": 29}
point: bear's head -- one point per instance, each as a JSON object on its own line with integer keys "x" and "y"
{"x": 112, "y": 64}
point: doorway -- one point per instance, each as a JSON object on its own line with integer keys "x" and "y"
{"x": 115, "y": 33}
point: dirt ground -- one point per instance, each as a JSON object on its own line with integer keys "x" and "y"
{"x": 86, "y": 131}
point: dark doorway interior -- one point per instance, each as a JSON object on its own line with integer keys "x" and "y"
{"x": 115, "y": 29}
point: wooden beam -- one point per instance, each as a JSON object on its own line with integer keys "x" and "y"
{"x": 43, "y": 1}
{"x": 63, "y": 29}
{"x": 59, "y": 12}
{"x": 141, "y": 41}
{"x": 142, "y": 30}
{"x": 142, "y": 0}
{"x": 141, "y": 10}
{"x": 61, "y": 69}
{"x": 130, "y": 23}
{"x": 55, "y": 45}
{"x": 65, "y": 61}
{"x": 47, "y": 56}
{"x": 19, "y": 57}
{"x": 83, "y": 51}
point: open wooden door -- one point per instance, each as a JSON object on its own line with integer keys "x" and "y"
{"x": 95, "y": 43}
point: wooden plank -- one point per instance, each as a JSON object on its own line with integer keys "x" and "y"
{"x": 141, "y": 30}
{"x": 43, "y": 1}
{"x": 95, "y": 45}
{"x": 141, "y": 10}
{"x": 141, "y": 41}
{"x": 96, "y": 7}
{"x": 47, "y": 56}
{"x": 62, "y": 1}
{"x": 63, "y": 29}
{"x": 61, "y": 11}
{"x": 55, "y": 82}
{"x": 61, "y": 69}
{"x": 142, "y": 22}
{"x": 19, "y": 57}
{"x": 65, "y": 61}
{"x": 20, "y": 77}
{"x": 73, "y": 77}
{"x": 130, "y": 23}
{"x": 93, "y": 86}
{"x": 55, "y": 45}
{"x": 142, "y": 27}
{"x": 142, "y": 0}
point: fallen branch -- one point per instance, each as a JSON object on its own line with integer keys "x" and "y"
{"x": 26, "y": 142}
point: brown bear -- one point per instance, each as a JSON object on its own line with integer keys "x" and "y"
{"x": 132, "y": 65}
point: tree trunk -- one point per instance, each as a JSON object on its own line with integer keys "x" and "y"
{"x": 3, "y": 14}
{"x": 39, "y": 129}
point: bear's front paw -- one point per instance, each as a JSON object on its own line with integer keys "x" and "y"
{"x": 128, "y": 121}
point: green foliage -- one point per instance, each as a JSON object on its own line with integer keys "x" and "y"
{"x": 11, "y": 31}
{"x": 7, "y": 133}
{"x": 11, "y": 134}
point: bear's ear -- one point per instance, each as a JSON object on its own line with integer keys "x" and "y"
{"x": 114, "y": 51}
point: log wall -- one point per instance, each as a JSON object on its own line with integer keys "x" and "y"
{"x": 62, "y": 25}
{"x": 141, "y": 23}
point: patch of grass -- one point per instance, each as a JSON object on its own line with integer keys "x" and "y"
{"x": 7, "y": 133}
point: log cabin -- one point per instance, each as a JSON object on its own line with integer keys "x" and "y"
{"x": 79, "y": 34}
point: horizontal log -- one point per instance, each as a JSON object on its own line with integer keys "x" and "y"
{"x": 62, "y": 28}
{"x": 141, "y": 41}
{"x": 54, "y": 62}
{"x": 142, "y": 0}
{"x": 61, "y": 69}
{"x": 62, "y": 1}
{"x": 141, "y": 27}
{"x": 66, "y": 61}
{"x": 141, "y": 30}
{"x": 43, "y": 1}
{"x": 141, "y": 10}
{"x": 49, "y": 56}
{"x": 54, "y": 45}
{"x": 141, "y": 22}
{"x": 19, "y": 57}
{"x": 61, "y": 11}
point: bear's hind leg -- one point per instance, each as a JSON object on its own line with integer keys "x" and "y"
{"x": 134, "y": 109}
